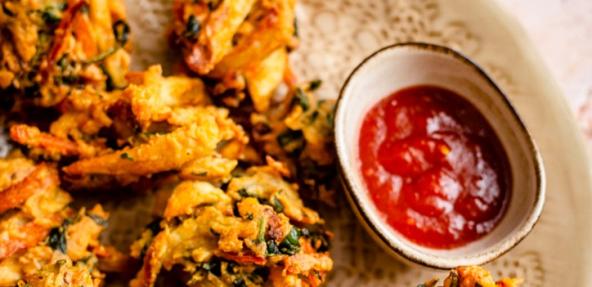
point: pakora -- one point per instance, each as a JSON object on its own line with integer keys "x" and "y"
{"x": 51, "y": 48}
{"x": 243, "y": 44}
{"x": 471, "y": 276}
{"x": 41, "y": 237}
{"x": 251, "y": 231}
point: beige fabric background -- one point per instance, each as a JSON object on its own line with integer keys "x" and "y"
{"x": 562, "y": 31}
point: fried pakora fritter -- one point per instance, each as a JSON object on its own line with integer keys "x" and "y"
{"x": 299, "y": 132}
{"x": 244, "y": 54}
{"x": 229, "y": 220}
{"x": 153, "y": 117}
{"x": 50, "y": 48}
{"x": 251, "y": 231}
{"x": 41, "y": 237}
{"x": 471, "y": 276}
{"x": 242, "y": 44}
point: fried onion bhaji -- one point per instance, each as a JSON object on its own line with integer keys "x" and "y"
{"x": 50, "y": 48}
{"x": 156, "y": 124}
{"x": 471, "y": 276}
{"x": 299, "y": 132}
{"x": 251, "y": 231}
{"x": 246, "y": 66}
{"x": 172, "y": 127}
{"x": 243, "y": 44}
{"x": 44, "y": 242}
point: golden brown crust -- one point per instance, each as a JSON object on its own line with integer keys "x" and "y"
{"x": 52, "y": 48}
{"x": 471, "y": 276}
{"x": 41, "y": 179}
{"x": 32, "y": 137}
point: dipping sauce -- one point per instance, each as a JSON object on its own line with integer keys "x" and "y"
{"x": 434, "y": 167}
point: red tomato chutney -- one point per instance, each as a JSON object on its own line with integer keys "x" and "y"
{"x": 434, "y": 167}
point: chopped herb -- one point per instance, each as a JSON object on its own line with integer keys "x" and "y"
{"x": 455, "y": 282}
{"x": 249, "y": 216}
{"x": 101, "y": 56}
{"x": 260, "y": 274}
{"x": 125, "y": 155}
{"x": 313, "y": 116}
{"x": 64, "y": 62}
{"x": 329, "y": 118}
{"x": 290, "y": 245}
{"x": 97, "y": 219}
{"x": 291, "y": 141}
{"x": 110, "y": 83}
{"x": 51, "y": 16}
{"x": 261, "y": 234}
{"x": 243, "y": 192}
{"x": 240, "y": 282}
{"x": 231, "y": 267}
{"x": 315, "y": 84}
{"x": 192, "y": 28}
{"x": 121, "y": 31}
{"x": 67, "y": 79}
{"x": 203, "y": 173}
{"x": 292, "y": 237}
{"x": 57, "y": 238}
{"x": 206, "y": 266}
{"x": 272, "y": 248}
{"x": 277, "y": 205}
{"x": 319, "y": 241}
{"x": 302, "y": 99}
{"x": 296, "y": 32}
{"x": 214, "y": 267}
{"x": 61, "y": 262}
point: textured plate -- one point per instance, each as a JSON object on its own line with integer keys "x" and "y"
{"x": 337, "y": 34}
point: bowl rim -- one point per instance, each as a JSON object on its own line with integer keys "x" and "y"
{"x": 353, "y": 197}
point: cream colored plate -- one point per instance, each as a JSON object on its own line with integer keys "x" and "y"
{"x": 337, "y": 34}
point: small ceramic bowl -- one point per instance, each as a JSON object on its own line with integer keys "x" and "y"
{"x": 403, "y": 65}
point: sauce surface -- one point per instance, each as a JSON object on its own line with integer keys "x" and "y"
{"x": 434, "y": 167}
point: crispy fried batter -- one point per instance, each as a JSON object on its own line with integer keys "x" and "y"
{"x": 181, "y": 146}
{"x": 51, "y": 145}
{"x": 270, "y": 27}
{"x": 62, "y": 272}
{"x": 208, "y": 31}
{"x": 227, "y": 221}
{"x": 40, "y": 179}
{"x": 51, "y": 48}
{"x": 38, "y": 229}
{"x": 263, "y": 78}
{"x": 243, "y": 48}
{"x": 470, "y": 276}
{"x": 153, "y": 97}
{"x": 249, "y": 225}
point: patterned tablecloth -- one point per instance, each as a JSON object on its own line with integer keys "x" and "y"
{"x": 562, "y": 30}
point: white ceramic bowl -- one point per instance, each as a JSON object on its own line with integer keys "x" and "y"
{"x": 399, "y": 66}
